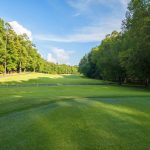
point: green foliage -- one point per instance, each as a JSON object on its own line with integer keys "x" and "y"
{"x": 126, "y": 55}
{"x": 84, "y": 66}
{"x": 1, "y": 68}
{"x": 136, "y": 58}
{"x": 103, "y": 61}
{"x": 2, "y": 41}
{"x": 19, "y": 54}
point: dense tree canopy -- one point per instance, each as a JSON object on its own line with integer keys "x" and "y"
{"x": 123, "y": 56}
{"x": 18, "y": 53}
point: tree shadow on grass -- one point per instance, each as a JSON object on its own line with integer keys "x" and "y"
{"x": 76, "y": 123}
{"x": 27, "y": 104}
{"x": 94, "y": 125}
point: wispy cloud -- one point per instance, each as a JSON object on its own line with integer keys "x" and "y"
{"x": 59, "y": 55}
{"x": 51, "y": 58}
{"x": 76, "y": 14}
{"x": 124, "y": 3}
{"x": 99, "y": 24}
{"x": 91, "y": 33}
{"x": 86, "y": 5}
{"x": 20, "y": 29}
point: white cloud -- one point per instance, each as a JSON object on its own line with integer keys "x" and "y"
{"x": 124, "y": 3}
{"x": 69, "y": 38}
{"x": 91, "y": 33}
{"x": 100, "y": 27}
{"x": 51, "y": 58}
{"x": 19, "y": 29}
{"x": 80, "y": 5}
{"x": 58, "y": 55}
{"x": 86, "y": 5}
{"x": 76, "y": 14}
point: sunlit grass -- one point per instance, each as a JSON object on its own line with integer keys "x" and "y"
{"x": 27, "y": 76}
{"x": 93, "y": 117}
{"x": 41, "y": 78}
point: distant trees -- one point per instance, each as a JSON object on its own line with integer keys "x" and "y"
{"x": 19, "y": 54}
{"x": 2, "y": 46}
{"x": 123, "y": 56}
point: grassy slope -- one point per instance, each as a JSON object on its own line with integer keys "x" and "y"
{"x": 33, "y": 78}
{"x": 74, "y": 118}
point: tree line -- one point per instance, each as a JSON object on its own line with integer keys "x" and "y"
{"x": 123, "y": 56}
{"x": 19, "y": 54}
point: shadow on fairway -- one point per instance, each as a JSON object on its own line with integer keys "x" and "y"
{"x": 75, "y": 123}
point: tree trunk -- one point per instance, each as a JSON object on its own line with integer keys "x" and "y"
{"x": 146, "y": 83}
{"x": 5, "y": 67}
{"x": 20, "y": 70}
{"x": 120, "y": 81}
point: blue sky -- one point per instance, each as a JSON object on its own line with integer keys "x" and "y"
{"x": 64, "y": 30}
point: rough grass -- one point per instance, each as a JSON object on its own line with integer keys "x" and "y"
{"x": 93, "y": 117}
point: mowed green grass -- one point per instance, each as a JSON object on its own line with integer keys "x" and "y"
{"x": 40, "y": 78}
{"x": 95, "y": 117}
